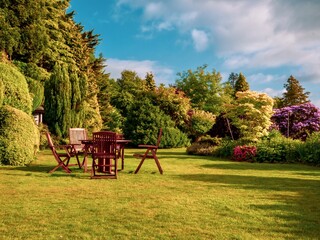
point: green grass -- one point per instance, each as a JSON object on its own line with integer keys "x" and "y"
{"x": 195, "y": 198}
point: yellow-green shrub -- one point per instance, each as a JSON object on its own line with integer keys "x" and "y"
{"x": 19, "y": 137}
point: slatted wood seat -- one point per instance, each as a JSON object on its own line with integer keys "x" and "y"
{"x": 151, "y": 153}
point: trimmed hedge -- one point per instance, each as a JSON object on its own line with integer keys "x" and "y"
{"x": 19, "y": 137}
{"x": 16, "y": 92}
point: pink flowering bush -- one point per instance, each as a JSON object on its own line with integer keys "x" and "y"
{"x": 244, "y": 153}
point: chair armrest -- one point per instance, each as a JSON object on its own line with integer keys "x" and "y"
{"x": 147, "y": 146}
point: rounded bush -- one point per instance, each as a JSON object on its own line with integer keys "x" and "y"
{"x": 19, "y": 137}
{"x": 16, "y": 92}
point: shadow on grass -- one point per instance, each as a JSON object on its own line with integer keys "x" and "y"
{"x": 295, "y": 200}
{"x": 233, "y": 165}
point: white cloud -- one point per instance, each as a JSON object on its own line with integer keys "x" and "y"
{"x": 161, "y": 73}
{"x": 200, "y": 40}
{"x": 246, "y": 34}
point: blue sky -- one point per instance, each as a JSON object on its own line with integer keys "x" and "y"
{"x": 266, "y": 40}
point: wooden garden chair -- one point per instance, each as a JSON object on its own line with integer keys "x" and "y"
{"x": 75, "y": 137}
{"x": 104, "y": 155}
{"x": 62, "y": 159}
{"x": 151, "y": 152}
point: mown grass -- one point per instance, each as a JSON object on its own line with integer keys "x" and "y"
{"x": 195, "y": 198}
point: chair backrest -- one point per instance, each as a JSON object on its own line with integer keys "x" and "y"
{"x": 104, "y": 142}
{"x": 77, "y": 134}
{"x": 51, "y": 145}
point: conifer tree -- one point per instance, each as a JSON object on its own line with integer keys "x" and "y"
{"x": 57, "y": 101}
{"x": 241, "y": 85}
{"x": 294, "y": 94}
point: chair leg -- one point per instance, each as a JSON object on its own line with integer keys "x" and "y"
{"x": 157, "y": 162}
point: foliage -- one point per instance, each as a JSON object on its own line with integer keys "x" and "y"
{"x": 16, "y": 93}
{"x": 241, "y": 84}
{"x": 223, "y": 127}
{"x": 225, "y": 148}
{"x": 144, "y": 121}
{"x": 251, "y": 113}
{"x": 294, "y": 94}
{"x": 173, "y": 103}
{"x": 203, "y": 88}
{"x": 297, "y": 121}
{"x": 58, "y": 101}
{"x": 199, "y": 123}
{"x": 36, "y": 92}
{"x": 244, "y": 153}
{"x": 172, "y": 137}
{"x": 19, "y": 137}
{"x": 277, "y": 148}
{"x": 204, "y": 146}
{"x": 1, "y": 92}
{"x": 309, "y": 151}
{"x": 129, "y": 87}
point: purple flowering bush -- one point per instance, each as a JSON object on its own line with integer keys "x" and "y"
{"x": 297, "y": 121}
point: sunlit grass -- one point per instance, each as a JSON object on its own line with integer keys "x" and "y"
{"x": 195, "y": 198}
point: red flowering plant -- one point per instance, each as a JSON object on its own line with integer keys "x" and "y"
{"x": 244, "y": 153}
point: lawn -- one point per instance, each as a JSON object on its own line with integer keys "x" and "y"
{"x": 195, "y": 198}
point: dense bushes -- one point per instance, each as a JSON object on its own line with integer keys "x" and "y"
{"x": 19, "y": 137}
{"x": 16, "y": 93}
{"x": 144, "y": 121}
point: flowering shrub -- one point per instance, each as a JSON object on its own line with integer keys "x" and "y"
{"x": 251, "y": 113}
{"x": 244, "y": 153}
{"x": 297, "y": 121}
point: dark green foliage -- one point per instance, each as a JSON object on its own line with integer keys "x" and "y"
{"x": 233, "y": 77}
{"x": 310, "y": 150}
{"x": 16, "y": 93}
{"x": 19, "y": 137}
{"x": 294, "y": 94}
{"x": 57, "y": 101}
{"x": 241, "y": 85}
{"x": 277, "y": 148}
{"x": 144, "y": 121}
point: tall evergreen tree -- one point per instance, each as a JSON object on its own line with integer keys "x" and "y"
{"x": 233, "y": 77}
{"x": 150, "y": 82}
{"x": 241, "y": 85}
{"x": 57, "y": 101}
{"x": 295, "y": 93}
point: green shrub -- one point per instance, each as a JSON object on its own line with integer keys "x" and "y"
{"x": 19, "y": 137}
{"x": 310, "y": 149}
{"x": 225, "y": 149}
{"x": 1, "y": 92}
{"x": 144, "y": 121}
{"x": 205, "y": 146}
{"x": 173, "y": 137}
{"x": 277, "y": 148}
{"x": 16, "y": 93}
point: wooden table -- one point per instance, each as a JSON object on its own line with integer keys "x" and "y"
{"x": 88, "y": 143}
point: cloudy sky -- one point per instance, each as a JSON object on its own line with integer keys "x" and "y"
{"x": 266, "y": 40}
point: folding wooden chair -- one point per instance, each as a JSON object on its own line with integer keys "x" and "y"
{"x": 104, "y": 155}
{"x": 151, "y": 152}
{"x": 61, "y": 158}
{"x": 75, "y": 137}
